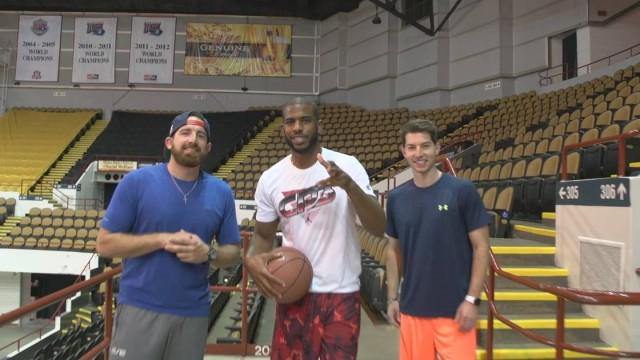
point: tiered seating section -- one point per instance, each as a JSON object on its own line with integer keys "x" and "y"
{"x": 32, "y": 141}
{"x": 74, "y": 343}
{"x": 140, "y": 136}
{"x": 371, "y": 136}
{"x": 57, "y": 229}
{"x": 7, "y": 208}
{"x": 522, "y": 138}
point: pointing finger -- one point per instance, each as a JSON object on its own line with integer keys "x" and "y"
{"x": 324, "y": 162}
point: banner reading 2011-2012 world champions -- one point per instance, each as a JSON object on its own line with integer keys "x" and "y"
{"x": 152, "y": 49}
{"x": 94, "y": 50}
{"x": 38, "y": 48}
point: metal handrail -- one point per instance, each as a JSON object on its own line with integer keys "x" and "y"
{"x": 67, "y": 292}
{"x": 586, "y": 297}
{"x": 622, "y": 156}
{"x": 546, "y": 79}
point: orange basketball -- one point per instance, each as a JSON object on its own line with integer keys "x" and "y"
{"x": 294, "y": 269}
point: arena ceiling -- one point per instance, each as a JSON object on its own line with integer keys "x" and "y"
{"x": 308, "y": 9}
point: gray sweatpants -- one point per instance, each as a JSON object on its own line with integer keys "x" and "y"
{"x": 140, "y": 334}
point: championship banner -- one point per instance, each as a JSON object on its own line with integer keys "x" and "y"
{"x": 238, "y": 49}
{"x": 38, "y": 48}
{"x": 94, "y": 50}
{"x": 152, "y": 49}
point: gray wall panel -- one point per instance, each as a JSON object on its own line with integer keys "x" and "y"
{"x": 474, "y": 42}
{"x": 329, "y": 60}
{"x": 415, "y": 82}
{"x": 373, "y": 69}
{"x": 476, "y": 68}
{"x": 418, "y": 57}
{"x": 368, "y": 49}
{"x": 329, "y": 42}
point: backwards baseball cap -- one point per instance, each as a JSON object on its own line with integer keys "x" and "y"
{"x": 186, "y": 118}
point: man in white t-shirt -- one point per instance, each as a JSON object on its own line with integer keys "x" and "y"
{"x": 315, "y": 195}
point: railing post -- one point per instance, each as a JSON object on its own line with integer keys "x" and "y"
{"x": 560, "y": 327}
{"x": 108, "y": 314}
{"x": 490, "y": 301}
{"x": 245, "y": 293}
{"x": 622, "y": 157}
{"x": 563, "y": 163}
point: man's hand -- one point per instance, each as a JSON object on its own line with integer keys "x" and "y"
{"x": 393, "y": 312}
{"x": 466, "y": 316}
{"x": 337, "y": 177}
{"x": 269, "y": 285}
{"x": 188, "y": 247}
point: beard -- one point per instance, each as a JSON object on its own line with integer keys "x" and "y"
{"x": 188, "y": 160}
{"x": 309, "y": 148}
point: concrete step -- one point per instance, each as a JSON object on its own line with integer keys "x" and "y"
{"x": 539, "y": 352}
{"x": 577, "y": 329}
{"x": 549, "y": 219}
{"x": 534, "y": 231}
{"x": 522, "y": 252}
{"x": 527, "y": 302}
{"x": 548, "y": 275}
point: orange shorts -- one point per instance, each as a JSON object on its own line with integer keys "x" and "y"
{"x": 423, "y": 338}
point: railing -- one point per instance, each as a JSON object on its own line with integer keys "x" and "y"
{"x": 547, "y": 76}
{"x": 67, "y": 202}
{"x": 586, "y": 297}
{"x": 45, "y": 301}
{"x": 243, "y": 348}
{"x": 56, "y": 313}
{"x": 620, "y": 139}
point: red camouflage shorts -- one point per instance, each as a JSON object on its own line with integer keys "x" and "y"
{"x": 320, "y": 325}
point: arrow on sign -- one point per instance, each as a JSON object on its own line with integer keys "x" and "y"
{"x": 621, "y": 191}
{"x": 562, "y": 193}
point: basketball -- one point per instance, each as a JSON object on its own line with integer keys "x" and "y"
{"x": 294, "y": 269}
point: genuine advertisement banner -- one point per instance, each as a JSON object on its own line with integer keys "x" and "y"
{"x": 94, "y": 50}
{"x": 238, "y": 49}
{"x": 152, "y": 49}
{"x": 38, "y": 48}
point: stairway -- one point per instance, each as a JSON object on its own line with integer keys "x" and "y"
{"x": 249, "y": 150}
{"x": 9, "y": 223}
{"x": 44, "y": 186}
{"x": 531, "y": 254}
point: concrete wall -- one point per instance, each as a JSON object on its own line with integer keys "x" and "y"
{"x": 488, "y": 41}
{"x": 346, "y": 58}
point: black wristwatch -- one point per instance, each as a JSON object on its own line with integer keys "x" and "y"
{"x": 472, "y": 299}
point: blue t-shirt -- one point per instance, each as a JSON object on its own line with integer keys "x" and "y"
{"x": 432, "y": 226}
{"x": 147, "y": 201}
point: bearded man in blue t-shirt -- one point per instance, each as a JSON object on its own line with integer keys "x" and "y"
{"x": 438, "y": 231}
{"x": 162, "y": 220}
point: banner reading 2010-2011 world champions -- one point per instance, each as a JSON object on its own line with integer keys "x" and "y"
{"x": 94, "y": 50}
{"x": 152, "y": 49}
{"x": 38, "y": 48}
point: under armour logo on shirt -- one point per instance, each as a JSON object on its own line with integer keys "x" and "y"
{"x": 444, "y": 207}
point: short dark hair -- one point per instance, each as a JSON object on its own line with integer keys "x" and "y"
{"x": 419, "y": 126}
{"x": 304, "y": 102}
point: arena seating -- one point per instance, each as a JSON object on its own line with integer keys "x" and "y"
{"x": 523, "y": 136}
{"x": 57, "y": 229}
{"x": 139, "y": 135}
{"x": 370, "y": 136}
{"x": 32, "y": 141}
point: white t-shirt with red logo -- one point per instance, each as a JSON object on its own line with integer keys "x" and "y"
{"x": 319, "y": 221}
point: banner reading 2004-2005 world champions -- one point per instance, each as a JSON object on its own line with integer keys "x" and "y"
{"x": 238, "y": 49}
{"x": 38, "y": 48}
